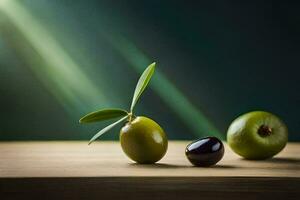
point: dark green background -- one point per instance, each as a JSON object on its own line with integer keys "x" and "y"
{"x": 224, "y": 57}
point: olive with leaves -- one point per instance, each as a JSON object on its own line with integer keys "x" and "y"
{"x": 141, "y": 138}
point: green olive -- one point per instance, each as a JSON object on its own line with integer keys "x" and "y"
{"x": 143, "y": 140}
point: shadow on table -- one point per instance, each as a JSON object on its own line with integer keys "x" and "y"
{"x": 172, "y": 166}
{"x": 283, "y": 160}
{"x": 158, "y": 165}
{"x": 277, "y": 160}
{"x": 280, "y": 163}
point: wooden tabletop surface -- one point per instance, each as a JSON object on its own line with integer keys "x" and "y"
{"x": 106, "y": 159}
{"x": 74, "y": 170}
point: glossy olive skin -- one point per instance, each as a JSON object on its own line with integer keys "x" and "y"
{"x": 205, "y": 152}
{"x": 143, "y": 140}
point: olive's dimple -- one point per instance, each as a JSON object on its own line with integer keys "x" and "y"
{"x": 205, "y": 152}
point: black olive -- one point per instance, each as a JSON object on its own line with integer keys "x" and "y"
{"x": 205, "y": 152}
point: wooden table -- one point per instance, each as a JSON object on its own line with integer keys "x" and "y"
{"x": 74, "y": 170}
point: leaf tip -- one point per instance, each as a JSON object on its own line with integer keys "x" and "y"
{"x": 153, "y": 64}
{"x": 83, "y": 120}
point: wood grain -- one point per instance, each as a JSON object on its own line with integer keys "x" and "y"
{"x": 74, "y": 170}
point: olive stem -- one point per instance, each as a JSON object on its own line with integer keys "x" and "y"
{"x": 130, "y": 116}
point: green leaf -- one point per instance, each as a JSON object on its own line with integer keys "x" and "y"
{"x": 142, "y": 83}
{"x": 104, "y": 130}
{"x": 103, "y": 115}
